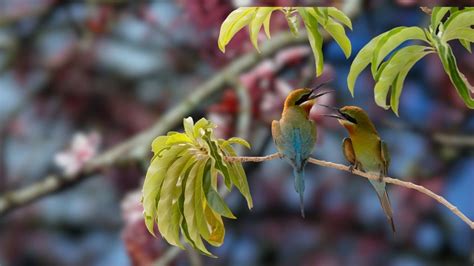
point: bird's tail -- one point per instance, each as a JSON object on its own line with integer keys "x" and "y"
{"x": 384, "y": 201}
{"x": 299, "y": 186}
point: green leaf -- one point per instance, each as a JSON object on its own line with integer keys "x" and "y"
{"x": 315, "y": 38}
{"x": 240, "y": 141}
{"x": 463, "y": 34}
{"x": 177, "y": 138}
{"x": 254, "y": 28}
{"x": 466, "y": 44}
{"x": 319, "y": 13}
{"x": 213, "y": 198}
{"x": 188, "y": 124}
{"x": 153, "y": 181}
{"x": 202, "y": 124}
{"x": 168, "y": 205}
{"x": 400, "y": 79}
{"x": 458, "y": 79}
{"x": 392, "y": 40}
{"x": 216, "y": 226}
{"x": 462, "y": 19}
{"x": 266, "y": 23}
{"x": 340, "y": 16}
{"x": 236, "y": 20}
{"x": 293, "y": 24}
{"x": 395, "y": 64}
{"x": 190, "y": 208}
{"x": 437, "y": 15}
{"x": 219, "y": 161}
{"x": 200, "y": 202}
{"x": 361, "y": 61}
{"x": 337, "y": 31}
{"x": 238, "y": 177}
{"x": 158, "y": 144}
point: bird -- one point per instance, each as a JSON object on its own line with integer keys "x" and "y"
{"x": 365, "y": 150}
{"x": 295, "y": 134}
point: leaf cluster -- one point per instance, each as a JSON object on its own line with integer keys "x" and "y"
{"x": 330, "y": 19}
{"x": 180, "y": 192}
{"x": 391, "y": 73}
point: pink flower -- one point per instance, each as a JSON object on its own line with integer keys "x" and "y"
{"x": 83, "y": 148}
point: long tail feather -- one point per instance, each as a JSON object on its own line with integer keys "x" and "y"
{"x": 384, "y": 201}
{"x": 299, "y": 187}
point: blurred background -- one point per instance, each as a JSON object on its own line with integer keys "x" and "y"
{"x": 80, "y": 77}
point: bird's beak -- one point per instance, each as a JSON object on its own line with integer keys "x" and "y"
{"x": 314, "y": 96}
{"x": 343, "y": 118}
{"x": 338, "y": 114}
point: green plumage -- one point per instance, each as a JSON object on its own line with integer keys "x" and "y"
{"x": 295, "y": 135}
{"x": 367, "y": 152}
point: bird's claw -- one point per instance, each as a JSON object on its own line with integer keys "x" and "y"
{"x": 380, "y": 177}
{"x": 351, "y": 168}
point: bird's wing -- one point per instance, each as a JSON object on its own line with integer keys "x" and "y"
{"x": 283, "y": 140}
{"x": 385, "y": 155}
{"x": 348, "y": 150}
{"x": 308, "y": 139}
{"x": 277, "y": 136}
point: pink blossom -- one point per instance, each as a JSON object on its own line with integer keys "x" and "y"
{"x": 83, "y": 148}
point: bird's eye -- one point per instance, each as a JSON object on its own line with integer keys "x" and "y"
{"x": 302, "y": 99}
{"x": 349, "y": 118}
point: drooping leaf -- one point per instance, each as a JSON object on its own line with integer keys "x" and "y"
{"x": 314, "y": 37}
{"x": 236, "y": 20}
{"x": 180, "y": 189}
{"x": 361, "y": 61}
{"x": 337, "y": 31}
{"x": 392, "y": 40}
{"x": 200, "y": 203}
{"x": 400, "y": 79}
{"x": 266, "y": 23}
{"x": 395, "y": 64}
{"x": 216, "y": 226}
{"x": 153, "y": 181}
{"x": 238, "y": 177}
{"x": 169, "y": 217}
{"x": 213, "y": 198}
{"x": 458, "y": 79}
{"x": 261, "y": 15}
{"x": 340, "y": 16}
{"x": 240, "y": 141}
{"x": 189, "y": 208}
{"x": 219, "y": 161}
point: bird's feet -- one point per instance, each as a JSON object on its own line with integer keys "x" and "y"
{"x": 351, "y": 168}
{"x": 381, "y": 176}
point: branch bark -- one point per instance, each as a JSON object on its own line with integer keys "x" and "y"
{"x": 387, "y": 179}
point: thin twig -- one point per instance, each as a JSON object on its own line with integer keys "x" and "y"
{"x": 387, "y": 179}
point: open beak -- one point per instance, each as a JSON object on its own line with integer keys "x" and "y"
{"x": 338, "y": 114}
{"x": 314, "y": 96}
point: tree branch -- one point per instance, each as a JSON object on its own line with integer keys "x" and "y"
{"x": 138, "y": 147}
{"x": 387, "y": 179}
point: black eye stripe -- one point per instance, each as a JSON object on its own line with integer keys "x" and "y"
{"x": 349, "y": 118}
{"x": 303, "y": 98}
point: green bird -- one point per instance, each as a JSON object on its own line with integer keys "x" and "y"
{"x": 295, "y": 134}
{"x": 365, "y": 150}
